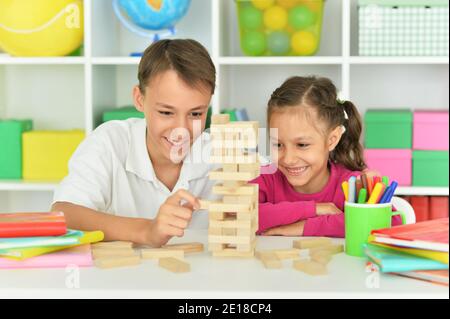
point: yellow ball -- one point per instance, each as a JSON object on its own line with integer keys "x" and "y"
{"x": 276, "y": 18}
{"x": 304, "y": 43}
{"x": 263, "y": 4}
{"x": 288, "y": 4}
{"x": 45, "y": 28}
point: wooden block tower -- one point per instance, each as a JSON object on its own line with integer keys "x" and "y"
{"x": 233, "y": 221}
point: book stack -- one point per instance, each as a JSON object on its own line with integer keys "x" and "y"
{"x": 417, "y": 251}
{"x": 42, "y": 240}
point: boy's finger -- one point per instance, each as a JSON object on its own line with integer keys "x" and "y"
{"x": 182, "y": 212}
{"x": 183, "y": 195}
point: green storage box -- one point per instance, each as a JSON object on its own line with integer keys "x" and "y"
{"x": 11, "y": 147}
{"x": 388, "y": 129}
{"x": 122, "y": 113}
{"x": 430, "y": 168}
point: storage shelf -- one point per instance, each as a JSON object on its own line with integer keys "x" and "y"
{"x": 398, "y": 60}
{"x": 422, "y": 191}
{"x": 116, "y": 60}
{"x": 20, "y": 185}
{"x": 279, "y": 60}
{"x": 7, "y": 60}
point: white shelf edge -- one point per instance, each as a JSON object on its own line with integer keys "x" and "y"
{"x": 398, "y": 60}
{"x": 422, "y": 191}
{"x": 7, "y": 60}
{"x": 28, "y": 186}
{"x": 115, "y": 60}
{"x": 280, "y": 60}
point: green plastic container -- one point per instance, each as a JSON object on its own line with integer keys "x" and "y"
{"x": 388, "y": 129}
{"x": 122, "y": 113}
{"x": 11, "y": 147}
{"x": 280, "y": 28}
{"x": 430, "y": 168}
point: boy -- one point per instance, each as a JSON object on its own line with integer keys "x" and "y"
{"x": 132, "y": 179}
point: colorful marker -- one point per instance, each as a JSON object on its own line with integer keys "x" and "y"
{"x": 376, "y": 193}
{"x": 364, "y": 181}
{"x": 385, "y": 195}
{"x": 345, "y": 190}
{"x": 386, "y": 181}
{"x": 352, "y": 189}
{"x": 393, "y": 187}
{"x": 359, "y": 185}
{"x": 362, "y": 196}
{"x": 369, "y": 186}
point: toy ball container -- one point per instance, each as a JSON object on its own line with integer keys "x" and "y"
{"x": 280, "y": 27}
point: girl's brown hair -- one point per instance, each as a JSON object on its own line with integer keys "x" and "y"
{"x": 321, "y": 95}
{"x": 188, "y": 58}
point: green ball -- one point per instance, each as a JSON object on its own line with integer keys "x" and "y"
{"x": 250, "y": 18}
{"x": 301, "y": 18}
{"x": 254, "y": 43}
{"x": 279, "y": 43}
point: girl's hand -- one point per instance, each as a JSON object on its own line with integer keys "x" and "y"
{"x": 295, "y": 229}
{"x": 173, "y": 218}
{"x": 327, "y": 209}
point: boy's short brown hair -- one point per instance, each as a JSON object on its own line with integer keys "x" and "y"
{"x": 188, "y": 58}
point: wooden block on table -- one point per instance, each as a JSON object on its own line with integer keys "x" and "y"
{"x": 188, "y": 248}
{"x": 282, "y": 254}
{"x": 271, "y": 261}
{"x": 157, "y": 253}
{"x": 113, "y": 244}
{"x": 233, "y": 253}
{"x": 115, "y": 252}
{"x": 322, "y": 257}
{"x": 174, "y": 265}
{"x": 306, "y": 243}
{"x": 331, "y": 249}
{"x": 310, "y": 267}
{"x": 115, "y": 262}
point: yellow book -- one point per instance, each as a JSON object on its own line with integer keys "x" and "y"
{"x": 429, "y": 254}
{"x": 25, "y": 253}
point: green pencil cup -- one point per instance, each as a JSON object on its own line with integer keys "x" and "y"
{"x": 361, "y": 220}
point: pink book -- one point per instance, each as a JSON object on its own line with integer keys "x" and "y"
{"x": 80, "y": 256}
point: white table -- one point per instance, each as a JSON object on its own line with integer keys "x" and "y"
{"x": 216, "y": 278}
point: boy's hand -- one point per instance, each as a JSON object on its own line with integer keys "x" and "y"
{"x": 295, "y": 229}
{"x": 327, "y": 209}
{"x": 173, "y": 218}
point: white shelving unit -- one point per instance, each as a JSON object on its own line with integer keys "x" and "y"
{"x": 72, "y": 92}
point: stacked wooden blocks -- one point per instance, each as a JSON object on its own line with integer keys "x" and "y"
{"x": 233, "y": 221}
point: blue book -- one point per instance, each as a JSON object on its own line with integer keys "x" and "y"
{"x": 70, "y": 238}
{"x": 394, "y": 261}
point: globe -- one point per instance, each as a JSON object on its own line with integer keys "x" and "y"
{"x": 155, "y": 14}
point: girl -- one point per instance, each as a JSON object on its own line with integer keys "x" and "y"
{"x": 316, "y": 148}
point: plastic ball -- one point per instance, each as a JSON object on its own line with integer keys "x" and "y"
{"x": 288, "y": 4}
{"x": 278, "y": 43}
{"x": 251, "y": 18}
{"x": 304, "y": 43}
{"x": 263, "y": 4}
{"x": 276, "y": 18}
{"x": 254, "y": 43}
{"x": 301, "y": 17}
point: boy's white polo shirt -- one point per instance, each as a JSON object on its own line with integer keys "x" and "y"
{"x": 111, "y": 172}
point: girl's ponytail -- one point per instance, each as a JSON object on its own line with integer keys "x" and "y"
{"x": 349, "y": 151}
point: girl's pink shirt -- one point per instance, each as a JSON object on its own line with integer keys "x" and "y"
{"x": 280, "y": 204}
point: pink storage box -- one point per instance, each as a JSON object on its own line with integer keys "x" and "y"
{"x": 430, "y": 130}
{"x": 394, "y": 163}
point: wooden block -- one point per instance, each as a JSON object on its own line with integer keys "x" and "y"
{"x": 230, "y": 208}
{"x": 158, "y": 253}
{"x": 271, "y": 261}
{"x": 218, "y": 157}
{"x": 322, "y": 257}
{"x": 306, "y": 243}
{"x": 216, "y": 247}
{"x": 219, "y": 119}
{"x": 174, "y": 265}
{"x": 115, "y": 252}
{"x": 235, "y": 240}
{"x": 113, "y": 244}
{"x": 253, "y": 167}
{"x": 115, "y": 262}
{"x": 282, "y": 254}
{"x": 233, "y": 253}
{"x": 331, "y": 249}
{"x": 237, "y": 176}
{"x": 229, "y": 232}
{"x": 310, "y": 267}
{"x": 216, "y": 216}
{"x": 246, "y": 189}
{"x": 230, "y": 223}
{"x": 230, "y": 167}
{"x": 215, "y": 231}
{"x": 188, "y": 248}
{"x": 204, "y": 204}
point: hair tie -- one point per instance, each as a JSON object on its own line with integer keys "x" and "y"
{"x": 342, "y": 103}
